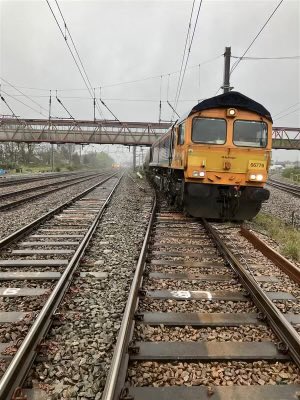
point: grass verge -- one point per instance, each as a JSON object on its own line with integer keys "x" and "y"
{"x": 288, "y": 238}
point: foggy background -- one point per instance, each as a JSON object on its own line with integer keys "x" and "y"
{"x": 143, "y": 41}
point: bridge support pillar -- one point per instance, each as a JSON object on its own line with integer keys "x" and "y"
{"x": 52, "y": 157}
{"x": 134, "y": 158}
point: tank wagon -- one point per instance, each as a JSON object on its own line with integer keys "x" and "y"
{"x": 214, "y": 161}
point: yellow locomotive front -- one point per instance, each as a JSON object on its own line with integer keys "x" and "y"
{"x": 218, "y": 158}
{"x": 228, "y": 151}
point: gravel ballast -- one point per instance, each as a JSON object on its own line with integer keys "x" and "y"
{"x": 281, "y": 204}
{"x": 11, "y": 220}
{"x": 91, "y": 313}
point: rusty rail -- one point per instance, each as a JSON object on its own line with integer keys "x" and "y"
{"x": 285, "y": 265}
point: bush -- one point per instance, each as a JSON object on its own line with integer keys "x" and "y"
{"x": 290, "y": 171}
{"x": 57, "y": 169}
{"x": 287, "y": 237}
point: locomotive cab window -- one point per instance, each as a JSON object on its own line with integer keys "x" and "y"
{"x": 209, "y": 130}
{"x": 250, "y": 133}
{"x": 180, "y": 134}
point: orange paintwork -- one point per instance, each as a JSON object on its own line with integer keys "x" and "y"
{"x": 225, "y": 164}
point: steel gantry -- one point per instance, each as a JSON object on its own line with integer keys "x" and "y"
{"x": 107, "y": 132}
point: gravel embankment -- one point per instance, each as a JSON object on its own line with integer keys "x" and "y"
{"x": 81, "y": 344}
{"x": 281, "y": 204}
{"x": 259, "y": 265}
{"x": 14, "y": 219}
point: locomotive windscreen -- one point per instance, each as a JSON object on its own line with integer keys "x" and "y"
{"x": 209, "y": 130}
{"x": 250, "y": 133}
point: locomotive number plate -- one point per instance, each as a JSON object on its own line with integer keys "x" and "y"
{"x": 257, "y": 164}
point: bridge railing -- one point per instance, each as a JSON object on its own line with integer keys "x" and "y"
{"x": 108, "y": 132}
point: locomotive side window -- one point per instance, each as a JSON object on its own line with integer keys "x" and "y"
{"x": 209, "y": 130}
{"x": 181, "y": 134}
{"x": 250, "y": 133}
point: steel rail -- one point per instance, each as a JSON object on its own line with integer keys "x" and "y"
{"x": 16, "y": 372}
{"x": 283, "y": 329}
{"x": 17, "y": 203}
{"x": 114, "y": 382}
{"x": 285, "y": 265}
{"x": 286, "y": 187}
{"x": 23, "y": 191}
{"x": 21, "y": 181}
{"x": 25, "y": 230}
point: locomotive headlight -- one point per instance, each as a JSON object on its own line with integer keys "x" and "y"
{"x": 259, "y": 177}
{"x": 231, "y": 112}
{"x": 202, "y": 174}
{"x": 252, "y": 177}
{"x": 195, "y": 173}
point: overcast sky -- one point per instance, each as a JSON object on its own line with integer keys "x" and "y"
{"x": 121, "y": 41}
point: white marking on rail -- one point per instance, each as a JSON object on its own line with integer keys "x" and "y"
{"x": 208, "y": 294}
{"x": 11, "y": 291}
{"x": 184, "y": 294}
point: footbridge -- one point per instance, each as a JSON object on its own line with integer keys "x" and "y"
{"x": 108, "y": 132}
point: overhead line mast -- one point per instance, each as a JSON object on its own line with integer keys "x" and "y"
{"x": 226, "y": 84}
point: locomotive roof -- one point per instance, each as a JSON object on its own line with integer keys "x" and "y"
{"x": 231, "y": 99}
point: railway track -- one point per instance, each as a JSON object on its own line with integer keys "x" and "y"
{"x": 38, "y": 262}
{"x": 199, "y": 324}
{"x": 14, "y": 199}
{"x": 11, "y": 181}
{"x": 286, "y": 187}
{"x": 36, "y": 184}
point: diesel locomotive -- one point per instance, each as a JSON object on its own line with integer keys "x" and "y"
{"x": 214, "y": 161}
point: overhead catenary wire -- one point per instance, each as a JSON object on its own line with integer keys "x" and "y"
{"x": 268, "y": 58}
{"x": 83, "y": 78}
{"x": 285, "y": 115}
{"x": 81, "y": 70}
{"x": 95, "y": 100}
{"x": 64, "y": 107}
{"x": 25, "y": 95}
{"x": 114, "y": 99}
{"x": 20, "y": 101}
{"x": 255, "y": 38}
{"x": 124, "y": 82}
{"x": 188, "y": 54}
{"x": 8, "y": 106}
{"x": 108, "y": 109}
{"x": 286, "y": 109}
{"x": 184, "y": 51}
{"x": 173, "y": 109}
{"x": 75, "y": 48}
